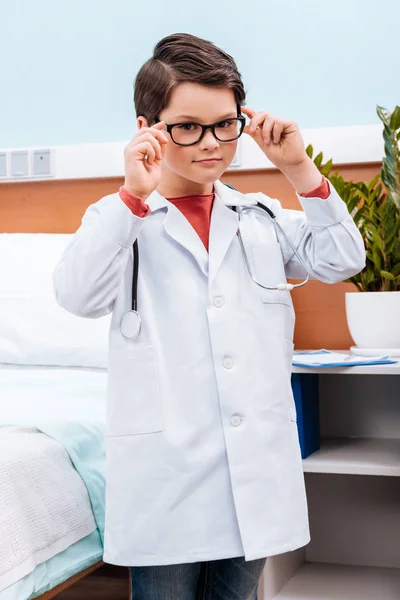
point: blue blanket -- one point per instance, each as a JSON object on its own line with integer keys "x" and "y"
{"x": 85, "y": 445}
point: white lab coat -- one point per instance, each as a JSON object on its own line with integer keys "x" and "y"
{"x": 203, "y": 458}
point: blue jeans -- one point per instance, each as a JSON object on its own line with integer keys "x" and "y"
{"x": 229, "y": 579}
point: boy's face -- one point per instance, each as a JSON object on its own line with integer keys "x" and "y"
{"x": 192, "y": 102}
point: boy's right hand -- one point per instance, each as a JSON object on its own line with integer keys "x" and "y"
{"x": 143, "y": 160}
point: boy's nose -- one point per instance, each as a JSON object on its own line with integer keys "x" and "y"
{"x": 209, "y": 140}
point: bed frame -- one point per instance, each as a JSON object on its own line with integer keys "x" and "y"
{"x": 69, "y": 582}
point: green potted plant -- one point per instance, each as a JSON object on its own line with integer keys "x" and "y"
{"x": 374, "y": 318}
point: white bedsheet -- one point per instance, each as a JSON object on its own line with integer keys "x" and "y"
{"x": 32, "y": 394}
{"x": 44, "y": 503}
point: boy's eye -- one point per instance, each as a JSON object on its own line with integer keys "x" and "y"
{"x": 188, "y": 126}
{"x": 226, "y": 123}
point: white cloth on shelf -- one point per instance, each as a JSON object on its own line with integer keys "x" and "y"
{"x": 315, "y": 359}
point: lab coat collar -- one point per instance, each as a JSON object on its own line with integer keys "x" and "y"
{"x": 223, "y": 226}
{"x": 178, "y": 228}
{"x": 226, "y": 195}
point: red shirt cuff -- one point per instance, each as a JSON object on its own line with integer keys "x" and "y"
{"x": 135, "y": 204}
{"x": 322, "y": 191}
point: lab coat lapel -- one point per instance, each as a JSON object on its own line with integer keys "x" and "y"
{"x": 223, "y": 227}
{"x": 178, "y": 228}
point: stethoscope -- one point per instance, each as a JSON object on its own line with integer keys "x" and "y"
{"x": 131, "y": 322}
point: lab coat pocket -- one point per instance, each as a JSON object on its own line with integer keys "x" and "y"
{"x": 276, "y": 297}
{"x": 133, "y": 392}
{"x": 267, "y": 264}
{"x": 278, "y": 313}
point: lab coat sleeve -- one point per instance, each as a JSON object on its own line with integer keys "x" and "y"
{"x": 88, "y": 276}
{"x": 325, "y": 236}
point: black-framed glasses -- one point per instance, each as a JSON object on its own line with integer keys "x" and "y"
{"x": 188, "y": 134}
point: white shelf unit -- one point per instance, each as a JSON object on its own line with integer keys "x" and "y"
{"x": 330, "y": 582}
{"x": 353, "y": 492}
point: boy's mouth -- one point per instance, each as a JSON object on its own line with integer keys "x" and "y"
{"x": 208, "y": 161}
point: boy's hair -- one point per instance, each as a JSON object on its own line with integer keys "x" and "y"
{"x": 179, "y": 58}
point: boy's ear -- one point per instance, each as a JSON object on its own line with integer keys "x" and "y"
{"x": 142, "y": 122}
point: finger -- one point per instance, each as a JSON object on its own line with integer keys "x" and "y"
{"x": 158, "y": 126}
{"x": 277, "y": 130}
{"x": 249, "y": 112}
{"x": 148, "y": 137}
{"x": 163, "y": 150}
{"x": 256, "y": 123}
{"x": 267, "y": 129}
{"x": 146, "y": 149}
{"x": 155, "y": 130}
{"x": 160, "y": 134}
{"x": 156, "y": 133}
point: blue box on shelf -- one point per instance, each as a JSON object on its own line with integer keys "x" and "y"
{"x": 305, "y": 392}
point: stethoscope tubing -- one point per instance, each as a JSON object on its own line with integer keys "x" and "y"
{"x": 131, "y": 322}
{"x": 282, "y": 286}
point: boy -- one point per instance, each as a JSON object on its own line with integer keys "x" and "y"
{"x": 204, "y": 473}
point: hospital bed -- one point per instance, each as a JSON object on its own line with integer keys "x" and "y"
{"x": 52, "y": 416}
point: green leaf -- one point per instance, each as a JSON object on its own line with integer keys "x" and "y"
{"x": 396, "y": 270}
{"x": 318, "y": 159}
{"x": 377, "y": 259}
{"x": 309, "y": 151}
{"x": 387, "y": 275}
{"x": 378, "y": 240}
{"x": 383, "y": 114}
{"x": 375, "y": 208}
{"x": 395, "y": 119}
{"x": 326, "y": 169}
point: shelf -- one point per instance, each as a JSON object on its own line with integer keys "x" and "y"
{"x": 356, "y": 456}
{"x": 392, "y": 369}
{"x": 318, "y": 581}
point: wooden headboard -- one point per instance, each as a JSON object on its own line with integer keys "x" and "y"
{"x": 58, "y": 206}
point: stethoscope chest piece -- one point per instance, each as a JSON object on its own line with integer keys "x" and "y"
{"x": 130, "y": 325}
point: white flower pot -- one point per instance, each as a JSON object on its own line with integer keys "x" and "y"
{"x": 374, "y": 321}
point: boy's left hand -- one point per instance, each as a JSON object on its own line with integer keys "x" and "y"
{"x": 278, "y": 138}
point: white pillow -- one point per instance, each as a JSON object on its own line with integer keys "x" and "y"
{"x": 27, "y": 261}
{"x": 34, "y": 330}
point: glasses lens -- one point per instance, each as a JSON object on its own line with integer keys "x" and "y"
{"x": 186, "y": 133}
{"x": 228, "y": 130}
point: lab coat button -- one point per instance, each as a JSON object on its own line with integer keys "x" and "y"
{"x": 228, "y": 363}
{"x": 236, "y": 420}
{"x": 219, "y": 302}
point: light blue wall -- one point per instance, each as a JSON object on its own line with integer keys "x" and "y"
{"x": 67, "y": 66}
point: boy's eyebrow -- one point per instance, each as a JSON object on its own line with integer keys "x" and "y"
{"x": 230, "y": 115}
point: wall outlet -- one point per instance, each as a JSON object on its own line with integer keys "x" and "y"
{"x": 3, "y": 164}
{"x": 19, "y": 163}
{"x": 41, "y": 163}
{"x": 26, "y": 164}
